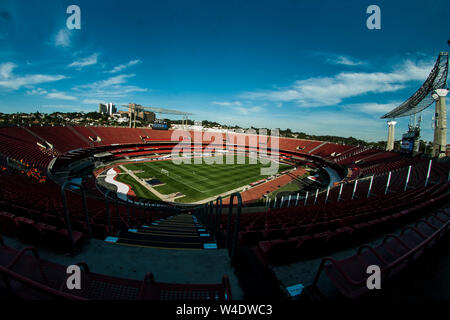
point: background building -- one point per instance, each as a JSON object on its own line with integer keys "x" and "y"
{"x": 146, "y": 116}
{"x": 108, "y": 108}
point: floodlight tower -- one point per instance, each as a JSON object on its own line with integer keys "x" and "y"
{"x": 440, "y": 127}
{"x": 134, "y": 109}
{"x": 391, "y": 135}
{"x": 434, "y": 89}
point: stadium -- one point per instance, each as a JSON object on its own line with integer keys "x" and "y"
{"x": 72, "y": 193}
{"x": 191, "y": 213}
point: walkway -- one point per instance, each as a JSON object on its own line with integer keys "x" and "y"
{"x": 259, "y": 191}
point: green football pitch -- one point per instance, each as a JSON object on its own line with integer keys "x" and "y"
{"x": 195, "y": 181}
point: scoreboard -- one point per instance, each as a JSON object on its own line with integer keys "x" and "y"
{"x": 160, "y": 126}
{"x": 409, "y": 139}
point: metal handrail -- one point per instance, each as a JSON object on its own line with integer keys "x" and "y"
{"x": 108, "y": 213}
{"x": 229, "y": 241}
{"x": 210, "y": 216}
{"x": 66, "y": 211}
{"x": 218, "y": 215}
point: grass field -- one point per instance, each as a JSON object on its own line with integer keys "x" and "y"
{"x": 138, "y": 189}
{"x": 195, "y": 181}
{"x": 290, "y": 187}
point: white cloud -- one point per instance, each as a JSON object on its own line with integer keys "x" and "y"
{"x": 62, "y": 38}
{"x": 227, "y": 104}
{"x": 110, "y": 81}
{"x": 372, "y": 108}
{"x": 93, "y": 101}
{"x": 109, "y": 89}
{"x": 121, "y": 67}
{"x": 57, "y": 95}
{"x": 328, "y": 91}
{"x": 248, "y": 111}
{"x": 10, "y": 81}
{"x": 37, "y": 91}
{"x": 60, "y": 96}
{"x": 338, "y": 123}
{"x": 89, "y": 61}
{"x": 346, "y": 61}
{"x": 239, "y": 107}
{"x": 337, "y": 59}
{"x": 6, "y": 69}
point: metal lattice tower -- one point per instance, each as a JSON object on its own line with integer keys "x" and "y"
{"x": 434, "y": 89}
{"x": 422, "y": 98}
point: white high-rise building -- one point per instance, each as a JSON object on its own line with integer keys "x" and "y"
{"x": 108, "y": 108}
{"x": 111, "y": 108}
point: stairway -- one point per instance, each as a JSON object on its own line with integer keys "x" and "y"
{"x": 79, "y": 135}
{"x": 182, "y": 232}
{"x": 317, "y": 147}
{"x": 39, "y": 138}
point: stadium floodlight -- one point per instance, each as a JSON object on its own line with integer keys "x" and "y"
{"x": 423, "y": 98}
{"x": 435, "y": 96}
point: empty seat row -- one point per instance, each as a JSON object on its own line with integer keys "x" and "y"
{"x": 395, "y": 253}
{"x": 25, "y": 275}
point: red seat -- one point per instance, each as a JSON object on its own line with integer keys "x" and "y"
{"x": 250, "y": 237}
{"x": 273, "y": 234}
{"x": 99, "y": 231}
{"x": 59, "y": 238}
{"x": 8, "y": 224}
{"x": 278, "y": 251}
{"x": 29, "y": 230}
{"x": 392, "y": 255}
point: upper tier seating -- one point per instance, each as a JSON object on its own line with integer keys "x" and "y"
{"x": 329, "y": 148}
{"x": 61, "y": 137}
{"x": 19, "y": 144}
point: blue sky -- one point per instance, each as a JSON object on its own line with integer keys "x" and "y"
{"x": 312, "y": 66}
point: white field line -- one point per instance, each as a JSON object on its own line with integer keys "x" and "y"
{"x": 209, "y": 189}
{"x": 205, "y": 179}
{"x": 122, "y": 189}
{"x": 145, "y": 185}
{"x": 181, "y": 180}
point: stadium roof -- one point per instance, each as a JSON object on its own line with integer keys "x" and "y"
{"x": 102, "y": 154}
{"x": 159, "y": 110}
{"x": 422, "y": 98}
{"x": 167, "y": 111}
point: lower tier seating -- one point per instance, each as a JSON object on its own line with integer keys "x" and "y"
{"x": 25, "y": 275}
{"x": 394, "y": 254}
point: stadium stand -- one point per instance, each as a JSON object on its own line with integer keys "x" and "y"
{"x": 394, "y": 254}
{"x": 27, "y": 276}
{"x": 344, "y": 216}
{"x": 61, "y": 137}
{"x": 18, "y": 144}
